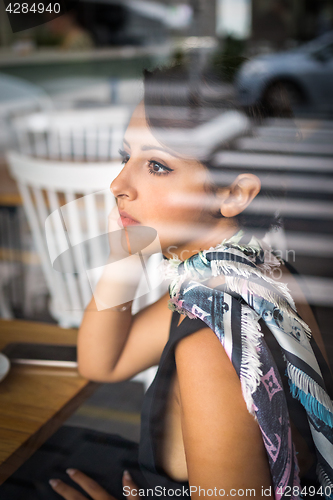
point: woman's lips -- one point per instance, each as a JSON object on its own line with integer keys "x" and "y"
{"x": 126, "y": 220}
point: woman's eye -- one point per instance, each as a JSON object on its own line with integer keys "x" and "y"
{"x": 124, "y": 156}
{"x": 157, "y": 168}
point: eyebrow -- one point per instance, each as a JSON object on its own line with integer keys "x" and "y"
{"x": 149, "y": 147}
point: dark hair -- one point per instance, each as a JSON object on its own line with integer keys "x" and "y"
{"x": 176, "y": 99}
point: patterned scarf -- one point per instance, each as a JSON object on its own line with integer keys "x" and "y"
{"x": 235, "y": 312}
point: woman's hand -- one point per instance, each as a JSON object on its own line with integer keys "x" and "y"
{"x": 121, "y": 275}
{"x": 93, "y": 489}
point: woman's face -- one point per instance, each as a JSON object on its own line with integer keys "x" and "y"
{"x": 159, "y": 189}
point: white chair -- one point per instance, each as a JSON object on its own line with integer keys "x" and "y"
{"x": 45, "y": 186}
{"x": 80, "y": 135}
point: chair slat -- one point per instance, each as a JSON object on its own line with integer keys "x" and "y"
{"x": 78, "y": 144}
{"x": 91, "y": 143}
{"x": 24, "y": 142}
{"x": 65, "y": 144}
{"x": 77, "y": 236}
{"x": 75, "y": 302}
{"x": 53, "y": 144}
{"x": 57, "y": 291}
{"x": 103, "y": 140}
{"x": 40, "y": 145}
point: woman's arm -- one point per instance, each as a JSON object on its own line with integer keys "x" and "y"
{"x": 223, "y": 443}
{"x": 114, "y": 346}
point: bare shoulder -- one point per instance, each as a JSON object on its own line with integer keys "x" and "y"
{"x": 153, "y": 323}
{"x": 202, "y": 361}
{"x": 203, "y": 347}
{"x": 223, "y": 442}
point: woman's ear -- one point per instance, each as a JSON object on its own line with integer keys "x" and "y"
{"x": 239, "y": 194}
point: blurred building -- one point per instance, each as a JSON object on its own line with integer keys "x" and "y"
{"x": 277, "y": 21}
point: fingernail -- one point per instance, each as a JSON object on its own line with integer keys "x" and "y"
{"x": 126, "y": 475}
{"x": 71, "y": 472}
{"x": 54, "y": 482}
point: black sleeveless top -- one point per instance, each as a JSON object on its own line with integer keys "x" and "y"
{"x": 154, "y": 407}
{"x": 156, "y": 398}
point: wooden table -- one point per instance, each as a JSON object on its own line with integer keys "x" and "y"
{"x": 35, "y": 401}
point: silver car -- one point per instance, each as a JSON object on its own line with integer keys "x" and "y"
{"x": 300, "y": 79}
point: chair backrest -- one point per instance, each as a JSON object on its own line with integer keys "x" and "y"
{"x": 83, "y": 135}
{"x": 46, "y": 186}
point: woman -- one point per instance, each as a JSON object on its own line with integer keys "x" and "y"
{"x": 216, "y": 417}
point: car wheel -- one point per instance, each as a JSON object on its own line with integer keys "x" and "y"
{"x": 282, "y": 99}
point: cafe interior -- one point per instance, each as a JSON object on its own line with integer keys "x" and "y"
{"x": 69, "y": 83}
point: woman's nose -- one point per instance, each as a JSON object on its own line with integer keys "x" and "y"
{"x": 122, "y": 187}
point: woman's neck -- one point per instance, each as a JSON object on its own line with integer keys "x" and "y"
{"x": 209, "y": 239}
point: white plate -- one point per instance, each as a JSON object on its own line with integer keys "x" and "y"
{"x": 4, "y": 366}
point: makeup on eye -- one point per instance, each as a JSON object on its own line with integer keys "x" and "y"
{"x": 157, "y": 168}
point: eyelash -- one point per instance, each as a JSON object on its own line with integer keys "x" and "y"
{"x": 166, "y": 170}
{"x": 125, "y": 158}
